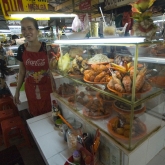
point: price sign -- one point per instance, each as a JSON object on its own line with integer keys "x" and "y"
{"x": 85, "y": 5}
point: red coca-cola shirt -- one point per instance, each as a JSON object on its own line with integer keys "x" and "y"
{"x": 37, "y": 80}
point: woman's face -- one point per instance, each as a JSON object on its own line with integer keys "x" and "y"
{"x": 29, "y": 31}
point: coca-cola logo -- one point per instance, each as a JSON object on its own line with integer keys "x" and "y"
{"x": 39, "y": 62}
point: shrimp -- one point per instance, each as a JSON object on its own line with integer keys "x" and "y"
{"x": 118, "y": 75}
{"x": 111, "y": 84}
{"x": 119, "y": 88}
{"x": 115, "y": 79}
{"x": 127, "y": 83}
{"x": 140, "y": 79}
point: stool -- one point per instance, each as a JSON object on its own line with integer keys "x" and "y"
{"x": 7, "y": 98}
{"x": 11, "y": 156}
{"x": 5, "y": 114}
{"x": 7, "y": 103}
{"x": 11, "y": 124}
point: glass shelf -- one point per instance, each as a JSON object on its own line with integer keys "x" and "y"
{"x": 141, "y": 97}
{"x": 134, "y": 109}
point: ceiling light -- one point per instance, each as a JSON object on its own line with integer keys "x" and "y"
{"x": 124, "y": 40}
{"x": 19, "y": 26}
{"x": 38, "y": 15}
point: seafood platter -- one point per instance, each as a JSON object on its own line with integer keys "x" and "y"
{"x": 120, "y": 128}
{"x": 158, "y": 50}
{"x": 66, "y": 90}
{"x": 158, "y": 81}
{"x": 97, "y": 109}
{"x": 122, "y": 79}
{"x": 99, "y": 59}
{"x": 116, "y": 73}
{"x": 105, "y": 98}
{"x": 92, "y": 106}
{"x": 123, "y": 108}
{"x": 97, "y": 74}
{"x": 78, "y": 66}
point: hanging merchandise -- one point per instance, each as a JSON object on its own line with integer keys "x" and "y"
{"x": 77, "y": 25}
{"x": 86, "y": 22}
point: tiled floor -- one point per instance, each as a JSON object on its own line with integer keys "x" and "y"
{"x": 31, "y": 156}
{"x": 159, "y": 159}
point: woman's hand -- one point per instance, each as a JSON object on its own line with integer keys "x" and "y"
{"x": 16, "y": 98}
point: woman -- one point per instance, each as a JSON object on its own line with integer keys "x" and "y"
{"x": 34, "y": 69}
{"x": 2, "y": 52}
{"x": 15, "y": 40}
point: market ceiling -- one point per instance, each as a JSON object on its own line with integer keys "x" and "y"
{"x": 68, "y": 6}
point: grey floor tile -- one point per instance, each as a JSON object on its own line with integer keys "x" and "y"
{"x": 157, "y": 160}
{"x": 162, "y": 153}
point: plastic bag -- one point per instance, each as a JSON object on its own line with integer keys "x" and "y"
{"x": 77, "y": 25}
{"x": 86, "y": 22}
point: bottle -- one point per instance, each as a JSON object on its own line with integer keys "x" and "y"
{"x": 76, "y": 156}
{"x": 55, "y": 111}
{"x": 72, "y": 135}
{"x": 113, "y": 20}
{"x": 71, "y": 139}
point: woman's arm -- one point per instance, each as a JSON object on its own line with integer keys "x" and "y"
{"x": 21, "y": 77}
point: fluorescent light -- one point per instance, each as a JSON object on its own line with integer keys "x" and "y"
{"x": 5, "y": 31}
{"x": 124, "y": 40}
{"x": 19, "y": 26}
{"x": 39, "y": 15}
{"x": 159, "y": 21}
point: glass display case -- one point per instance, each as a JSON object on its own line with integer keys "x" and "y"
{"x": 10, "y": 53}
{"x": 116, "y": 84}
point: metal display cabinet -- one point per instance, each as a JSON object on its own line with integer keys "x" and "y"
{"x": 126, "y": 118}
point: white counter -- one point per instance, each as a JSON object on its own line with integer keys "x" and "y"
{"x": 50, "y": 142}
{"x": 23, "y": 98}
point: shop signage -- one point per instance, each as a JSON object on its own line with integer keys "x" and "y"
{"x": 18, "y": 23}
{"x": 84, "y": 5}
{"x": 112, "y": 4}
{"x": 22, "y": 6}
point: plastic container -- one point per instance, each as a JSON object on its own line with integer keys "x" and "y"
{"x": 76, "y": 156}
{"x": 72, "y": 139}
{"x": 71, "y": 121}
{"x": 108, "y": 31}
{"x": 72, "y": 135}
{"x": 120, "y": 31}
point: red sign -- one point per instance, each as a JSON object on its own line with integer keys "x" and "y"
{"x": 85, "y": 5}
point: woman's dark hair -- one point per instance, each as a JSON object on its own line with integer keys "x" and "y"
{"x": 13, "y": 37}
{"x": 34, "y": 21}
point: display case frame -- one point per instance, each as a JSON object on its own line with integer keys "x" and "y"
{"x": 154, "y": 92}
